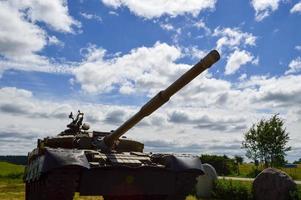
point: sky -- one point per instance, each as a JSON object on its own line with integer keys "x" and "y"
{"x": 109, "y": 57}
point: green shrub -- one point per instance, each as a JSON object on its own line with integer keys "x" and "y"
{"x": 295, "y": 195}
{"x": 222, "y": 164}
{"x": 232, "y": 190}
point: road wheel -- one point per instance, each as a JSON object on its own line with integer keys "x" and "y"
{"x": 60, "y": 184}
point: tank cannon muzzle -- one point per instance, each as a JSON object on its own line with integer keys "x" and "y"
{"x": 162, "y": 97}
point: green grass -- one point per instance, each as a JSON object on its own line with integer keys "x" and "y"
{"x": 11, "y": 171}
{"x": 246, "y": 169}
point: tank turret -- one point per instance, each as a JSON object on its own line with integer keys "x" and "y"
{"x": 161, "y": 98}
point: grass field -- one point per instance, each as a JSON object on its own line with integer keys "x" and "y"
{"x": 245, "y": 170}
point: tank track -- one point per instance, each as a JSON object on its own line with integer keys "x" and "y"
{"x": 185, "y": 185}
{"x": 60, "y": 184}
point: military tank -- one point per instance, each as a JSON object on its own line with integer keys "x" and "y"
{"x": 108, "y": 164}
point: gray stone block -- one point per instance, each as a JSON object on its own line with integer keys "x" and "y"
{"x": 273, "y": 184}
{"x": 205, "y": 183}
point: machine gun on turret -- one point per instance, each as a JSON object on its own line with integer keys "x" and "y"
{"x": 76, "y": 125}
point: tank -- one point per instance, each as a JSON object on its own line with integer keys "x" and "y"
{"x": 96, "y": 163}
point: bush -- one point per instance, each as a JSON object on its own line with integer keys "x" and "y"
{"x": 222, "y": 164}
{"x": 296, "y": 195}
{"x": 232, "y": 190}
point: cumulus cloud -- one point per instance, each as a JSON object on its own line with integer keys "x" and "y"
{"x": 207, "y": 108}
{"x": 115, "y": 117}
{"x": 217, "y": 147}
{"x": 25, "y": 105}
{"x": 53, "y": 13}
{"x": 21, "y": 39}
{"x": 263, "y": 8}
{"x": 236, "y": 60}
{"x": 294, "y": 66}
{"x": 296, "y": 8}
{"x": 232, "y": 38}
{"x": 274, "y": 92}
{"x": 18, "y": 37}
{"x": 142, "y": 70}
{"x": 206, "y": 122}
{"x": 155, "y": 8}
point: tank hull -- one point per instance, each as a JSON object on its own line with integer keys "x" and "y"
{"x": 124, "y": 182}
{"x": 120, "y": 174}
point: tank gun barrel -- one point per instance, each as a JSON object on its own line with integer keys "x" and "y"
{"x": 163, "y": 96}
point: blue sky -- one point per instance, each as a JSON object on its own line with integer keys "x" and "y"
{"x": 108, "y": 57}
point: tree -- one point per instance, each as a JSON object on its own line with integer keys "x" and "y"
{"x": 238, "y": 161}
{"x": 297, "y": 161}
{"x": 266, "y": 141}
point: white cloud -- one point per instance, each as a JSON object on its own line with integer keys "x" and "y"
{"x": 167, "y": 27}
{"x": 113, "y": 13}
{"x": 263, "y": 8}
{"x": 194, "y": 52}
{"x": 156, "y": 8}
{"x": 201, "y": 25}
{"x": 137, "y": 71}
{"x": 191, "y": 117}
{"x": 236, "y": 60}
{"x": 52, "y": 40}
{"x": 54, "y": 13}
{"x": 18, "y": 37}
{"x": 243, "y": 77}
{"x": 298, "y": 47}
{"x": 295, "y": 66}
{"x": 21, "y": 39}
{"x": 233, "y": 38}
{"x": 91, "y": 16}
{"x": 275, "y": 92}
{"x": 296, "y": 8}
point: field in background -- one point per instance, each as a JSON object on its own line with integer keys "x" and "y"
{"x": 246, "y": 171}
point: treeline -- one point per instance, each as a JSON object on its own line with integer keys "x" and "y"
{"x": 18, "y": 160}
{"x": 222, "y": 164}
